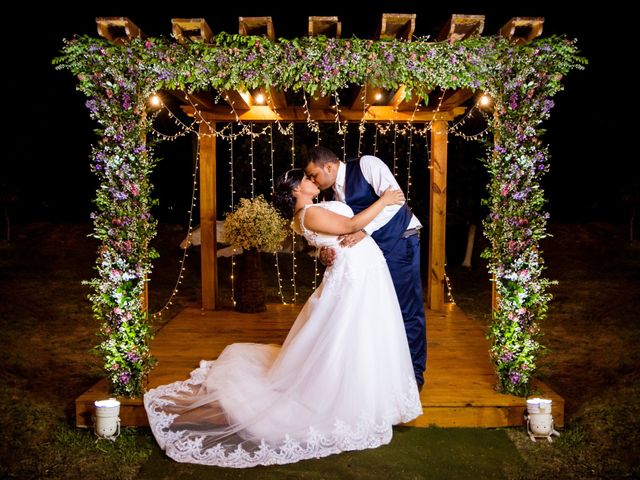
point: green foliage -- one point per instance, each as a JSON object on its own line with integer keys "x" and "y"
{"x": 117, "y": 80}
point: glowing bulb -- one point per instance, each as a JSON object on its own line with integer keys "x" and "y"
{"x": 485, "y": 100}
{"x": 260, "y": 99}
{"x": 378, "y": 96}
{"x": 155, "y": 101}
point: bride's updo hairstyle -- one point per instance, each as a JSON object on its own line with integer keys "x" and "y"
{"x": 283, "y": 198}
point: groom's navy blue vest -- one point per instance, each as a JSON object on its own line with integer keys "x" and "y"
{"x": 359, "y": 194}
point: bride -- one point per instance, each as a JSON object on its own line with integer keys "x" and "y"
{"x": 339, "y": 382}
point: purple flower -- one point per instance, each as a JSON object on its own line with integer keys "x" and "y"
{"x": 513, "y": 101}
{"x": 514, "y": 377}
{"x": 124, "y": 377}
{"x": 499, "y": 149}
{"x": 126, "y": 101}
{"x": 522, "y": 194}
{"x": 507, "y": 356}
{"x": 132, "y": 357}
{"x": 91, "y": 105}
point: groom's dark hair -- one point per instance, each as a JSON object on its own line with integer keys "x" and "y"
{"x": 320, "y": 156}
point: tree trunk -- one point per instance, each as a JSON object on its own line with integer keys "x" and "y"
{"x": 250, "y": 295}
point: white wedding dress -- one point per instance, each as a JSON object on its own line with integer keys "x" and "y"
{"x": 339, "y": 382}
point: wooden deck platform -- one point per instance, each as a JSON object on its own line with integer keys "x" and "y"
{"x": 459, "y": 382}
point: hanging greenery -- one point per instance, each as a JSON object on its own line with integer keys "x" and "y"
{"x": 118, "y": 79}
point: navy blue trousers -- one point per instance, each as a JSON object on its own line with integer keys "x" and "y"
{"x": 404, "y": 265}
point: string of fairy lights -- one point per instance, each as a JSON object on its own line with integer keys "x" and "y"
{"x": 232, "y": 131}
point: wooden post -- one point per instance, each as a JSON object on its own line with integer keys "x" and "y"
{"x": 208, "y": 241}
{"x": 437, "y": 215}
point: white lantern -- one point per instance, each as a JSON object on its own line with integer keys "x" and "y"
{"x": 539, "y": 419}
{"x": 106, "y": 419}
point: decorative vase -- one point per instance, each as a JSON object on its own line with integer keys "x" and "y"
{"x": 249, "y": 293}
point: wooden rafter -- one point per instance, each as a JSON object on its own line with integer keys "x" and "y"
{"x": 257, "y": 26}
{"x": 400, "y": 102}
{"x": 320, "y": 102}
{"x": 187, "y": 30}
{"x": 371, "y": 92}
{"x": 330, "y": 27}
{"x": 238, "y": 99}
{"x": 459, "y": 27}
{"x": 393, "y": 26}
{"x": 456, "y": 98}
{"x": 522, "y": 29}
{"x": 276, "y": 99}
{"x": 118, "y": 29}
{"x": 397, "y": 26}
{"x": 382, "y": 113}
{"x": 242, "y": 100}
{"x": 327, "y": 26}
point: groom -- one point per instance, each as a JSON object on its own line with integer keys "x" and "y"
{"x": 359, "y": 183}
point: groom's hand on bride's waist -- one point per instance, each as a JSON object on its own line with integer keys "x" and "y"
{"x": 351, "y": 239}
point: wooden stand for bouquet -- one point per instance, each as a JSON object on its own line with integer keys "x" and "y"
{"x": 250, "y": 295}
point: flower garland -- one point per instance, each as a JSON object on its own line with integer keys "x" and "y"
{"x": 117, "y": 79}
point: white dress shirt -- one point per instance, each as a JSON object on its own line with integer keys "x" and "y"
{"x": 378, "y": 175}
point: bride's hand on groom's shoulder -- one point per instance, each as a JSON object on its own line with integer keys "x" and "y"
{"x": 327, "y": 256}
{"x": 393, "y": 197}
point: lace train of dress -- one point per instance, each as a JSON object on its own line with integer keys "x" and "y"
{"x": 339, "y": 382}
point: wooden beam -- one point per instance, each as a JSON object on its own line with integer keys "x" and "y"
{"x": 208, "y": 215}
{"x": 256, "y": 26}
{"x": 187, "y": 30}
{"x": 119, "y": 30}
{"x": 459, "y": 27}
{"x": 401, "y": 103}
{"x": 320, "y": 102}
{"x": 359, "y": 101}
{"x": 457, "y": 98}
{"x": 397, "y": 26}
{"x": 382, "y": 113}
{"x": 521, "y": 30}
{"x": 437, "y": 215}
{"x": 327, "y": 26}
{"x": 204, "y": 100}
{"x": 240, "y": 100}
{"x": 276, "y": 99}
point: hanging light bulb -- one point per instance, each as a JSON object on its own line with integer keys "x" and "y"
{"x": 155, "y": 100}
{"x": 485, "y": 100}
{"x": 259, "y": 99}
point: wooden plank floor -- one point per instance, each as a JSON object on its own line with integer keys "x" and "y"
{"x": 459, "y": 382}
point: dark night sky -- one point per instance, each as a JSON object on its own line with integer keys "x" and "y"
{"x": 51, "y": 133}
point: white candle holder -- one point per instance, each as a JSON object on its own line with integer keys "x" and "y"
{"x": 539, "y": 419}
{"x": 106, "y": 420}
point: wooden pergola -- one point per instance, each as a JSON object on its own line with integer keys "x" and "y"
{"x": 460, "y": 388}
{"x": 243, "y": 106}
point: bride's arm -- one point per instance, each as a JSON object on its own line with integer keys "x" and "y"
{"x": 324, "y": 221}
